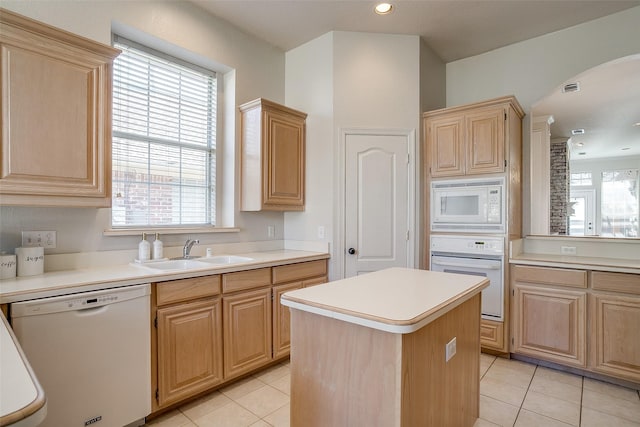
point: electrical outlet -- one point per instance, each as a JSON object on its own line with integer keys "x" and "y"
{"x": 321, "y": 232}
{"x": 450, "y": 349}
{"x": 46, "y": 239}
{"x": 568, "y": 250}
{"x": 271, "y": 231}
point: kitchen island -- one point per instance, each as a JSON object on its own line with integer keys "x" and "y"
{"x": 372, "y": 350}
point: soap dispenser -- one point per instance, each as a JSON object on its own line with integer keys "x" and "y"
{"x": 158, "y": 250}
{"x": 144, "y": 249}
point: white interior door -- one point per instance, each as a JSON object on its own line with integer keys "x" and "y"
{"x": 376, "y": 215}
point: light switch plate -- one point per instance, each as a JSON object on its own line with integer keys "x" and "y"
{"x": 46, "y": 239}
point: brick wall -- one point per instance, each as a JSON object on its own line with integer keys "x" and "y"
{"x": 558, "y": 215}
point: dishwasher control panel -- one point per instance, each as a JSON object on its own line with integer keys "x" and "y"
{"x": 78, "y": 301}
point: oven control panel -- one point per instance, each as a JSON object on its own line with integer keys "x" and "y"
{"x": 468, "y": 244}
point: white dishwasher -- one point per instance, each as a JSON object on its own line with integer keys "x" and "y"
{"x": 91, "y": 354}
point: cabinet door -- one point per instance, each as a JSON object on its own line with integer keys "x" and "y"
{"x": 247, "y": 331}
{"x": 614, "y": 342}
{"x": 56, "y": 117}
{"x": 284, "y": 159}
{"x": 492, "y": 335}
{"x": 446, "y": 145}
{"x": 189, "y": 349}
{"x": 485, "y": 141}
{"x": 550, "y": 324}
{"x": 282, "y": 320}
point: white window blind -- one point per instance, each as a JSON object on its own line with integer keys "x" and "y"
{"x": 164, "y": 140}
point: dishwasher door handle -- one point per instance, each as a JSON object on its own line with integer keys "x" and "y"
{"x": 92, "y": 311}
{"x": 480, "y": 266}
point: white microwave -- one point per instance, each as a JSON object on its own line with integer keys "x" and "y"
{"x": 468, "y": 205}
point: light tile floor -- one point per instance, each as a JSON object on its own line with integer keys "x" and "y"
{"x": 512, "y": 393}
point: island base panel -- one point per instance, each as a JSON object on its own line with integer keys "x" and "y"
{"x": 343, "y": 374}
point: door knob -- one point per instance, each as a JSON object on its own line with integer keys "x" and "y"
{"x": 351, "y": 251}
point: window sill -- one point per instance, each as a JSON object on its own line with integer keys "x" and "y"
{"x": 161, "y": 230}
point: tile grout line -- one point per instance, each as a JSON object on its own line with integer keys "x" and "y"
{"x": 581, "y": 400}
{"x": 525, "y": 395}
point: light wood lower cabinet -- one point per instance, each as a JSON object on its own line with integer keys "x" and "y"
{"x": 187, "y": 339}
{"x": 615, "y": 325}
{"x": 551, "y": 324}
{"x": 189, "y": 349}
{"x": 210, "y": 330}
{"x": 247, "y": 331}
{"x": 282, "y": 320}
{"x": 287, "y": 278}
{"x": 552, "y": 308}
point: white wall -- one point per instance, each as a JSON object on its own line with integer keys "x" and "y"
{"x": 256, "y": 67}
{"x": 346, "y": 80}
{"x": 309, "y": 88}
{"x": 533, "y": 68}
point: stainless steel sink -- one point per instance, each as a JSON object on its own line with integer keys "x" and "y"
{"x": 176, "y": 264}
{"x": 225, "y": 259}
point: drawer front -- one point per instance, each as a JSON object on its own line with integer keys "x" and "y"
{"x": 616, "y": 282}
{"x": 550, "y": 276}
{"x": 303, "y": 270}
{"x": 243, "y": 280}
{"x": 187, "y": 289}
{"x": 492, "y": 335}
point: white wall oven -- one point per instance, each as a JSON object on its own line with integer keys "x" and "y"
{"x": 468, "y": 205}
{"x": 479, "y": 256}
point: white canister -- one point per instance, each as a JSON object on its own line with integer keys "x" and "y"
{"x": 30, "y": 261}
{"x": 7, "y": 266}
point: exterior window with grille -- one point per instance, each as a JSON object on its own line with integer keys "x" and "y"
{"x": 164, "y": 140}
{"x": 620, "y": 203}
{"x": 580, "y": 179}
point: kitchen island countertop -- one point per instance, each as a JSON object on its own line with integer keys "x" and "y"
{"x": 397, "y": 300}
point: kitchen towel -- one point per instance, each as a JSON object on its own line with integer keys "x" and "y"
{"x": 30, "y": 261}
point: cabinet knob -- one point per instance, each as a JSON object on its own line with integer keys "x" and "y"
{"x": 351, "y": 251}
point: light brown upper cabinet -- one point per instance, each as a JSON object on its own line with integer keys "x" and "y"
{"x": 272, "y": 158}
{"x": 56, "y": 116}
{"x": 472, "y": 139}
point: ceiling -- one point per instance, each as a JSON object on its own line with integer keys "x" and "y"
{"x": 454, "y": 29}
{"x": 607, "y": 106}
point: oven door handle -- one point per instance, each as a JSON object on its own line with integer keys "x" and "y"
{"x": 454, "y": 264}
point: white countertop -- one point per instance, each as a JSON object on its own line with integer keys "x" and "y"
{"x": 590, "y": 253}
{"x": 90, "y": 279}
{"x": 21, "y": 397}
{"x": 397, "y": 300}
{"x": 567, "y": 261}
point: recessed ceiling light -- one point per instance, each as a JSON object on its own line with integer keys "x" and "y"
{"x": 637, "y": 124}
{"x": 383, "y": 8}
{"x": 580, "y": 144}
{"x": 577, "y": 132}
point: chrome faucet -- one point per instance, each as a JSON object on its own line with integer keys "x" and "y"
{"x": 186, "y": 250}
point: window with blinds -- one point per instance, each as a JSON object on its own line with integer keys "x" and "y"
{"x": 164, "y": 140}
